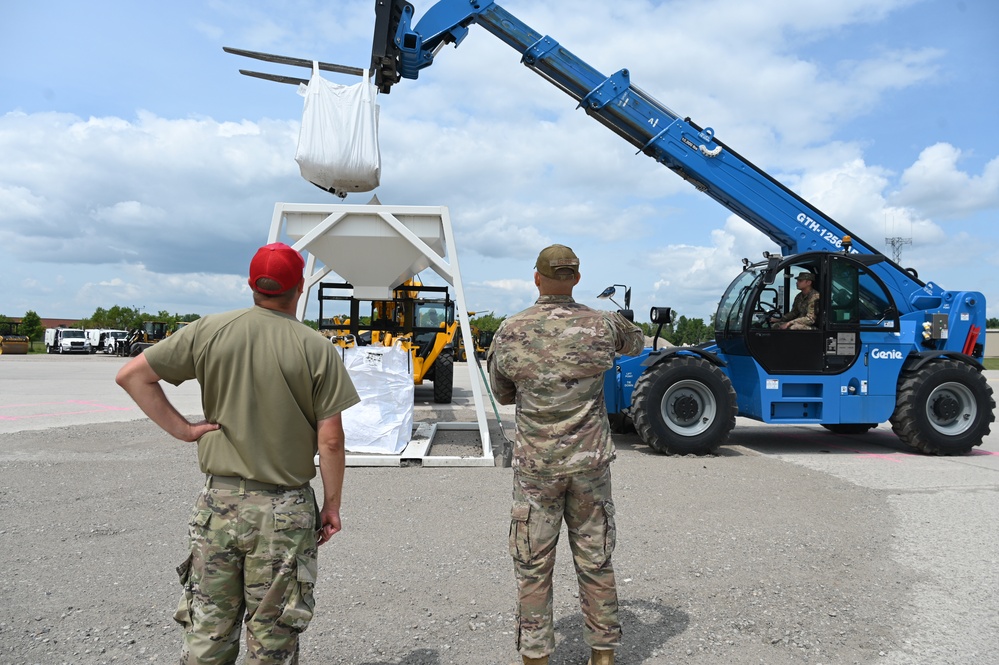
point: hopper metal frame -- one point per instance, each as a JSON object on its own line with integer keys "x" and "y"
{"x": 327, "y": 216}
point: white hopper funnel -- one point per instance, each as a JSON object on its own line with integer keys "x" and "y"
{"x": 373, "y": 248}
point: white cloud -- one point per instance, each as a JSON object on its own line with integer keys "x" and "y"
{"x": 19, "y": 204}
{"x": 691, "y": 279}
{"x": 854, "y": 195}
{"x": 175, "y": 293}
{"x": 173, "y": 192}
{"x": 518, "y": 286}
{"x": 937, "y": 187}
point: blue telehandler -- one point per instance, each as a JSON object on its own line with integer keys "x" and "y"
{"x": 886, "y": 346}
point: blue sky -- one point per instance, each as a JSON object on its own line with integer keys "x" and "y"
{"x": 138, "y": 168}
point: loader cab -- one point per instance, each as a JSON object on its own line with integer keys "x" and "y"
{"x": 154, "y": 331}
{"x": 852, "y": 299}
{"x": 431, "y": 317}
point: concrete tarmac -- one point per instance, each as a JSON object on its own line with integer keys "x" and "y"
{"x": 792, "y": 545}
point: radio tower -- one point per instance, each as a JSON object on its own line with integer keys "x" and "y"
{"x": 896, "y": 243}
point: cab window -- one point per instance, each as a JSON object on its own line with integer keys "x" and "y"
{"x": 858, "y": 298}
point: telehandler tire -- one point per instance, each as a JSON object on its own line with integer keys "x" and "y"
{"x": 443, "y": 378}
{"x": 684, "y": 406}
{"x": 943, "y": 408}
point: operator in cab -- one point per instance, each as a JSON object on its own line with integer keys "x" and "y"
{"x": 804, "y": 311}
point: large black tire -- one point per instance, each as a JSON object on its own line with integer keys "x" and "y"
{"x": 943, "y": 408}
{"x": 443, "y": 378}
{"x": 850, "y": 428}
{"x": 683, "y": 406}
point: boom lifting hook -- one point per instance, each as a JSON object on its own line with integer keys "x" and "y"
{"x": 708, "y": 135}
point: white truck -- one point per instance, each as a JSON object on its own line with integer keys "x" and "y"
{"x": 104, "y": 339}
{"x": 66, "y": 340}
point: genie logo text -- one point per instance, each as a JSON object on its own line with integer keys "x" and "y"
{"x": 878, "y": 354}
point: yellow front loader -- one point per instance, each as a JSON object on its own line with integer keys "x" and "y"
{"x": 143, "y": 337}
{"x": 11, "y": 342}
{"x": 481, "y": 338}
{"x": 420, "y": 318}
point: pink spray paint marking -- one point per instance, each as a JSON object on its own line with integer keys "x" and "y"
{"x": 886, "y": 457}
{"x": 890, "y": 457}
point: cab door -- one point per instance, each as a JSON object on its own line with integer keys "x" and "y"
{"x": 849, "y": 295}
{"x": 841, "y": 320}
{"x": 787, "y": 351}
{"x": 862, "y": 307}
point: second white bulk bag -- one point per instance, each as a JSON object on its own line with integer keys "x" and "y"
{"x": 383, "y": 420}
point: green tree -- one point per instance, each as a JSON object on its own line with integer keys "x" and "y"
{"x": 690, "y": 331}
{"x": 667, "y": 333}
{"x": 487, "y": 322}
{"x": 130, "y": 318}
{"x": 124, "y": 318}
{"x": 992, "y": 323}
{"x": 31, "y": 325}
{"x": 116, "y": 318}
{"x": 3, "y": 328}
{"x": 162, "y": 315}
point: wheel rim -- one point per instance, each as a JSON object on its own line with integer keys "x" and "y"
{"x": 688, "y": 408}
{"x": 951, "y": 409}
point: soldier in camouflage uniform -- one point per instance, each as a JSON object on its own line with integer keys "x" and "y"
{"x": 803, "y": 314}
{"x": 550, "y": 360}
{"x": 272, "y": 391}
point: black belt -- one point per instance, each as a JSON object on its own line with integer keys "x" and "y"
{"x": 242, "y": 484}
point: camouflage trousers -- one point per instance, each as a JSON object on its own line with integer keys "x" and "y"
{"x": 253, "y": 554}
{"x": 539, "y": 506}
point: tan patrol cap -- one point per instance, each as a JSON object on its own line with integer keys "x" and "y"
{"x": 557, "y": 262}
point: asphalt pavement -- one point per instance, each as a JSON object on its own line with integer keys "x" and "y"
{"x": 792, "y": 545}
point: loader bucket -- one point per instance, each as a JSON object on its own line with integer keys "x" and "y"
{"x": 14, "y": 344}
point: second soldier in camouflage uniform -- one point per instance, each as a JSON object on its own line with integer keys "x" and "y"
{"x": 550, "y": 360}
{"x": 804, "y": 312}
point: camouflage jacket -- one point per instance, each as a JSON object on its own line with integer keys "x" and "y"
{"x": 804, "y": 310}
{"x": 550, "y": 360}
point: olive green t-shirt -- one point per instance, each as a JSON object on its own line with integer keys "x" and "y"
{"x": 267, "y": 379}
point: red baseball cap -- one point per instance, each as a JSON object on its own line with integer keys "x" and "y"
{"x": 279, "y": 262}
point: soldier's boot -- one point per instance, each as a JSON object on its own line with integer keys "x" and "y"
{"x": 601, "y": 657}
{"x": 535, "y": 661}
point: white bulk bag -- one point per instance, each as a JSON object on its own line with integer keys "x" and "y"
{"x": 383, "y": 420}
{"x": 338, "y": 142}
